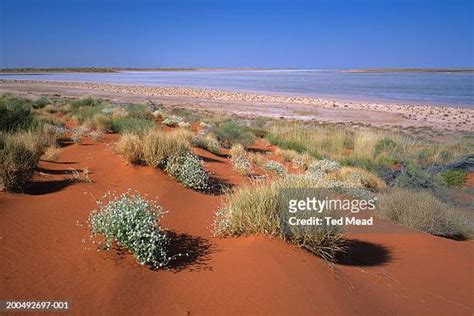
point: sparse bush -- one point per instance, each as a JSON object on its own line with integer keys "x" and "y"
{"x": 323, "y": 165}
{"x": 413, "y": 176}
{"x": 101, "y": 122}
{"x": 254, "y": 209}
{"x": 275, "y": 167}
{"x": 125, "y": 124}
{"x": 230, "y": 133}
{"x": 286, "y": 154}
{"x": 303, "y": 161}
{"x": 187, "y": 168}
{"x": 51, "y": 154}
{"x": 257, "y": 159}
{"x": 240, "y": 161}
{"x": 158, "y": 146}
{"x": 40, "y": 102}
{"x": 79, "y": 133}
{"x": 359, "y": 177}
{"x": 423, "y": 211}
{"x": 173, "y": 121}
{"x": 96, "y": 135}
{"x": 130, "y": 147}
{"x": 132, "y": 222}
{"x": 208, "y": 142}
{"x": 15, "y": 114}
{"x": 454, "y": 178}
{"x": 19, "y": 156}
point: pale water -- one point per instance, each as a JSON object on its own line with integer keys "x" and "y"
{"x": 415, "y": 87}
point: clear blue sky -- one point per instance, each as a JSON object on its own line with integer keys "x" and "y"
{"x": 302, "y": 34}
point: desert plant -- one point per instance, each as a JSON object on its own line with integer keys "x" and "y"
{"x": 132, "y": 222}
{"x": 79, "y": 133}
{"x": 324, "y": 165}
{"x": 15, "y": 114}
{"x": 230, "y": 133}
{"x": 19, "y": 156}
{"x": 256, "y": 209}
{"x": 130, "y": 147}
{"x": 275, "y": 167}
{"x": 188, "y": 169}
{"x": 173, "y": 121}
{"x": 209, "y": 142}
{"x": 40, "y": 103}
{"x": 126, "y": 124}
{"x": 101, "y": 122}
{"x": 158, "y": 146}
{"x": 454, "y": 178}
{"x": 423, "y": 211}
{"x": 96, "y": 135}
{"x": 51, "y": 154}
{"x": 359, "y": 177}
{"x": 286, "y": 154}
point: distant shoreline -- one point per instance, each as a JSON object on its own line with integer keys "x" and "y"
{"x": 120, "y": 69}
{"x": 257, "y": 104}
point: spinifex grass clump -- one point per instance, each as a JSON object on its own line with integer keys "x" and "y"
{"x": 256, "y": 209}
{"x": 19, "y": 156}
{"x": 132, "y": 222}
{"x": 423, "y": 211}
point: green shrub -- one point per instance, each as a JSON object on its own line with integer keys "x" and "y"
{"x": 86, "y": 102}
{"x": 230, "y": 133}
{"x": 19, "y": 156}
{"x": 40, "y": 103}
{"x": 385, "y": 145}
{"x": 15, "y": 114}
{"x": 454, "y": 178}
{"x": 127, "y": 124}
{"x": 187, "y": 168}
{"x": 413, "y": 176}
{"x": 132, "y": 222}
{"x": 423, "y": 211}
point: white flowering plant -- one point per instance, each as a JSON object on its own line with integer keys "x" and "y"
{"x": 132, "y": 222}
{"x": 275, "y": 167}
{"x": 173, "y": 120}
{"x": 324, "y": 165}
{"x": 188, "y": 169}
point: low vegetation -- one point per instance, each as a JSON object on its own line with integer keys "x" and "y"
{"x": 170, "y": 151}
{"x": 454, "y": 178}
{"x": 423, "y": 211}
{"x": 255, "y": 209}
{"x": 240, "y": 161}
{"x": 230, "y": 133}
{"x": 132, "y": 222}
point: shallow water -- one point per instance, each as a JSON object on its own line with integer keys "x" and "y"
{"x": 423, "y": 88}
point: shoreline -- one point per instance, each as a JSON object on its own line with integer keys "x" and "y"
{"x": 440, "y": 117}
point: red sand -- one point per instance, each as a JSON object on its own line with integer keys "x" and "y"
{"x": 47, "y": 254}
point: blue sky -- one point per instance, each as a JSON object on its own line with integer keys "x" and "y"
{"x": 301, "y": 34}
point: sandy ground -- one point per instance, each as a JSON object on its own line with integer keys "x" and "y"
{"x": 249, "y": 104}
{"x": 46, "y": 253}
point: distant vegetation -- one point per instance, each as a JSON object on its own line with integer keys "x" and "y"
{"x": 378, "y": 70}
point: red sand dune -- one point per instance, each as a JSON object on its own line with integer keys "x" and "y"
{"x": 47, "y": 255}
